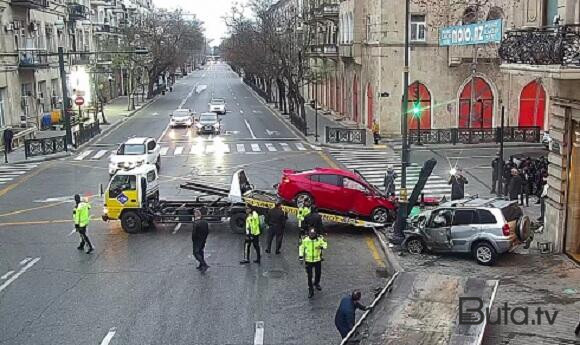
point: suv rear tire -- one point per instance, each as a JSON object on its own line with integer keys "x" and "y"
{"x": 484, "y": 253}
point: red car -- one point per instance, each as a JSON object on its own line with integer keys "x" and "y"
{"x": 336, "y": 190}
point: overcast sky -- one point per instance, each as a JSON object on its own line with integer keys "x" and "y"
{"x": 208, "y": 11}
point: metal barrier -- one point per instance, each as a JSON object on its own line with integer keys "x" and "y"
{"x": 474, "y": 135}
{"x": 86, "y": 133}
{"x": 44, "y": 146}
{"x": 345, "y": 135}
{"x": 299, "y": 122}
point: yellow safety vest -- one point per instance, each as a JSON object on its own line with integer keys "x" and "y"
{"x": 311, "y": 249}
{"x": 302, "y": 213}
{"x": 253, "y": 224}
{"x": 82, "y": 214}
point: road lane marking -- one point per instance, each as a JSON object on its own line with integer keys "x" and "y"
{"x": 178, "y": 150}
{"x": 176, "y": 229}
{"x": 25, "y": 261}
{"x": 259, "y": 333}
{"x": 240, "y": 148}
{"x": 270, "y": 147}
{"x": 6, "y": 179}
{"x": 107, "y": 339}
{"x": 250, "y": 129}
{"x": 256, "y": 147}
{"x": 373, "y": 248}
{"x": 83, "y": 155}
{"x": 300, "y": 147}
{"x": 18, "y": 274}
{"x": 285, "y": 147}
{"x": 315, "y": 148}
{"x": 163, "y": 151}
{"x": 163, "y": 133}
{"x": 6, "y": 275}
{"x": 241, "y": 111}
{"x": 100, "y": 154}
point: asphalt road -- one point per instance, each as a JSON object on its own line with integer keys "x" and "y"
{"x": 144, "y": 289}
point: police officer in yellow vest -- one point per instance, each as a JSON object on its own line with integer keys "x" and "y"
{"x": 310, "y": 251}
{"x": 252, "y": 235}
{"x": 303, "y": 211}
{"x": 81, "y": 218}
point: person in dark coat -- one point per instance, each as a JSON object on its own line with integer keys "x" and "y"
{"x": 198, "y": 238}
{"x": 345, "y": 315}
{"x": 8, "y": 135}
{"x": 314, "y": 220}
{"x": 507, "y": 175}
{"x": 494, "y": 174}
{"x": 515, "y": 186}
{"x": 277, "y": 223}
{"x": 389, "y": 180}
{"x": 526, "y": 186}
{"x": 458, "y": 182}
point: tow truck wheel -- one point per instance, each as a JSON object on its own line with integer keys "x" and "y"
{"x": 304, "y": 199}
{"x": 238, "y": 222}
{"x": 131, "y": 222}
{"x": 380, "y": 215}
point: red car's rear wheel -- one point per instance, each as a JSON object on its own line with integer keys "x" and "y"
{"x": 304, "y": 198}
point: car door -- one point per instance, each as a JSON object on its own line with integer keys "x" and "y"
{"x": 356, "y": 197}
{"x": 464, "y": 229}
{"x": 327, "y": 192}
{"x": 438, "y": 230}
{"x": 122, "y": 194}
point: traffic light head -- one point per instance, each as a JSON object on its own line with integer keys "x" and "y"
{"x": 416, "y": 109}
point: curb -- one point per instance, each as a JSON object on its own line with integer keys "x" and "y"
{"x": 44, "y": 158}
{"x": 465, "y": 146}
{"x": 393, "y": 264}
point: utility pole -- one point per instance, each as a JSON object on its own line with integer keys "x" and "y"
{"x": 500, "y": 164}
{"x": 402, "y": 212}
{"x": 65, "y": 105}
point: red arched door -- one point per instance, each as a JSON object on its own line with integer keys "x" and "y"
{"x": 355, "y": 99}
{"x": 422, "y": 117}
{"x": 370, "y": 114}
{"x": 480, "y": 113}
{"x": 532, "y": 105}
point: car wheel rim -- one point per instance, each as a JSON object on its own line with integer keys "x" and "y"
{"x": 483, "y": 254}
{"x": 415, "y": 247}
{"x": 380, "y": 216}
{"x": 303, "y": 198}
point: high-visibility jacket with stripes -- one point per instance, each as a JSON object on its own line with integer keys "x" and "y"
{"x": 82, "y": 214}
{"x": 311, "y": 249}
{"x": 253, "y": 224}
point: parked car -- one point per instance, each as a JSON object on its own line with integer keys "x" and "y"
{"x": 135, "y": 152}
{"x": 336, "y": 190}
{"x": 208, "y": 123}
{"x": 181, "y": 117}
{"x": 217, "y": 105}
{"x": 482, "y": 227}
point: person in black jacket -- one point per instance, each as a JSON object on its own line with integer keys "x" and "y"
{"x": 314, "y": 220}
{"x": 8, "y": 135}
{"x": 458, "y": 182}
{"x": 494, "y": 174}
{"x": 198, "y": 238}
{"x": 345, "y": 315}
{"x": 277, "y": 224}
{"x": 515, "y": 186}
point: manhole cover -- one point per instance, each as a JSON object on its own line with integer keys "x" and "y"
{"x": 274, "y": 274}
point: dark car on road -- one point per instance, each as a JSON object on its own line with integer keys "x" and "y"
{"x": 208, "y": 123}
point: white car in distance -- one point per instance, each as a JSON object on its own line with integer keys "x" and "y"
{"x": 217, "y": 105}
{"x": 135, "y": 152}
{"x": 181, "y": 117}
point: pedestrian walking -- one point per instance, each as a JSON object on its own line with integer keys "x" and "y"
{"x": 515, "y": 186}
{"x": 494, "y": 174}
{"x": 458, "y": 182}
{"x": 314, "y": 221}
{"x": 507, "y": 176}
{"x": 277, "y": 224}
{"x": 198, "y": 239}
{"x": 543, "y": 197}
{"x": 81, "y": 218}
{"x": 303, "y": 211}
{"x": 345, "y": 315}
{"x": 389, "y": 180}
{"x": 376, "y": 132}
{"x": 7, "y": 137}
{"x": 252, "y": 236}
{"x": 526, "y": 185}
{"x": 310, "y": 251}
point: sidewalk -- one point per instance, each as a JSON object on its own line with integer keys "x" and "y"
{"x": 115, "y": 112}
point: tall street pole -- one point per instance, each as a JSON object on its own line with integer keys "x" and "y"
{"x": 402, "y": 212}
{"x": 65, "y": 105}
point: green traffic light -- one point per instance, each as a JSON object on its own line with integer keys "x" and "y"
{"x": 416, "y": 109}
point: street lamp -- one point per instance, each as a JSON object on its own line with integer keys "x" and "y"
{"x": 110, "y": 87}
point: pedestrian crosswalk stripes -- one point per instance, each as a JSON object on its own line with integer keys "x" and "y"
{"x": 9, "y": 172}
{"x": 372, "y": 165}
{"x": 210, "y": 147}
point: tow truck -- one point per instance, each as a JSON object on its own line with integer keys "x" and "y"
{"x": 132, "y": 197}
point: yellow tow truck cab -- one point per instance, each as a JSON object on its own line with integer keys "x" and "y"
{"x": 130, "y": 190}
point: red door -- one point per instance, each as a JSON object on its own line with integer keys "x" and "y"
{"x": 355, "y": 99}
{"x": 370, "y": 114}
{"x": 479, "y": 112}
{"x": 422, "y": 116}
{"x": 532, "y": 105}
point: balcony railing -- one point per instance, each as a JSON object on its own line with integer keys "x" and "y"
{"x": 557, "y": 45}
{"x": 30, "y": 3}
{"x": 323, "y": 50}
{"x": 32, "y": 58}
{"x": 77, "y": 11}
{"x": 325, "y": 12}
